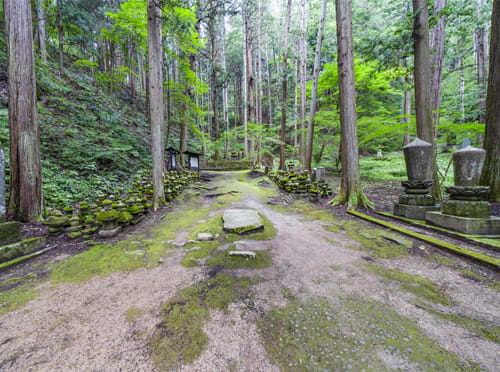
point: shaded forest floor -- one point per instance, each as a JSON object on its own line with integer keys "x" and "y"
{"x": 325, "y": 292}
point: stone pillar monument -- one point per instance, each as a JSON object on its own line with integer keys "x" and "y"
{"x": 416, "y": 200}
{"x": 467, "y": 210}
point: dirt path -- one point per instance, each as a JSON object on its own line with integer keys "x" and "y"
{"x": 334, "y": 298}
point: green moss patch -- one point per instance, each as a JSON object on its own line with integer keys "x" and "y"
{"x": 133, "y": 313}
{"x": 350, "y": 335}
{"x": 179, "y": 338}
{"x": 482, "y": 328}
{"x": 376, "y": 242}
{"x": 16, "y": 292}
{"x": 419, "y": 286}
{"x": 215, "y": 227}
{"x": 262, "y": 260}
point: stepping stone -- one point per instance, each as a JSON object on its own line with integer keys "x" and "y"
{"x": 240, "y": 221}
{"x": 205, "y": 237}
{"x": 246, "y": 254}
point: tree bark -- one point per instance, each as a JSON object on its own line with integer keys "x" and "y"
{"x": 42, "y": 46}
{"x": 479, "y": 38}
{"x": 490, "y": 175}
{"x": 303, "y": 78}
{"x": 437, "y": 54}
{"x": 25, "y": 198}
{"x": 284, "y": 86}
{"x": 350, "y": 192}
{"x": 422, "y": 77}
{"x": 244, "y": 112}
{"x": 60, "y": 35}
{"x": 314, "y": 90}
{"x": 155, "y": 62}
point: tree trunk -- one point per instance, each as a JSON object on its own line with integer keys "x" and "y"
{"x": 350, "y": 192}
{"x": 437, "y": 54}
{"x": 259, "y": 83}
{"x": 60, "y": 35}
{"x": 250, "y": 81}
{"x": 490, "y": 175}
{"x": 42, "y": 45}
{"x": 155, "y": 62}
{"x": 25, "y": 165}
{"x": 244, "y": 112}
{"x": 422, "y": 76}
{"x": 314, "y": 90}
{"x": 284, "y": 86}
{"x": 303, "y": 78}
{"x": 479, "y": 38}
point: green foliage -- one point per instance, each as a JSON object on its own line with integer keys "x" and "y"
{"x": 91, "y": 142}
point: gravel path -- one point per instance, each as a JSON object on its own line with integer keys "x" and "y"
{"x": 85, "y": 327}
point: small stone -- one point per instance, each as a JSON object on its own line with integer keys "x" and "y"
{"x": 422, "y": 247}
{"x": 247, "y": 254}
{"x": 108, "y": 233}
{"x": 205, "y": 237}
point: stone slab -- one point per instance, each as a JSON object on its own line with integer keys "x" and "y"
{"x": 242, "y": 220}
{"x": 414, "y": 212}
{"x": 246, "y": 254}
{"x": 465, "y": 225}
{"x": 21, "y": 248}
{"x": 205, "y": 236}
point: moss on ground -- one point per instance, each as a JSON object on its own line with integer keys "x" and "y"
{"x": 262, "y": 260}
{"x": 482, "y": 328}
{"x": 465, "y": 271}
{"x": 419, "y": 286}
{"x": 353, "y": 334}
{"x": 214, "y": 225}
{"x": 377, "y": 242}
{"x": 16, "y": 292}
{"x": 133, "y": 313}
{"x": 306, "y": 209}
{"x": 179, "y": 338}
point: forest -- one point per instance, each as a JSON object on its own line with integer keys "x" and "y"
{"x": 242, "y": 80}
{"x": 250, "y": 185}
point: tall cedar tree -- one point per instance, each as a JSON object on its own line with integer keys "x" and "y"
{"x": 314, "y": 90}
{"x": 350, "y": 192}
{"x": 422, "y": 77}
{"x": 155, "y": 85}
{"x": 25, "y": 166}
{"x": 491, "y": 170}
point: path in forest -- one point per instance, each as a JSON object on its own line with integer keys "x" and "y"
{"x": 320, "y": 305}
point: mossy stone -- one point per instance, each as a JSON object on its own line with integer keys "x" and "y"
{"x": 56, "y": 221}
{"x": 125, "y": 217}
{"x": 74, "y": 235}
{"x": 9, "y": 231}
{"x": 107, "y": 216}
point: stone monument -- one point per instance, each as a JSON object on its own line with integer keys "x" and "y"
{"x": 467, "y": 210}
{"x": 416, "y": 200}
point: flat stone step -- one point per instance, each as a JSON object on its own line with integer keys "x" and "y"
{"x": 21, "y": 248}
{"x": 241, "y": 221}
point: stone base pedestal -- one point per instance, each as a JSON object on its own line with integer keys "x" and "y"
{"x": 467, "y": 208}
{"x": 465, "y": 225}
{"x": 414, "y": 212}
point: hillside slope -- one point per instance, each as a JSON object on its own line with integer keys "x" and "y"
{"x": 92, "y": 140}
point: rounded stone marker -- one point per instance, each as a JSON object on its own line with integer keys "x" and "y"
{"x": 467, "y": 164}
{"x": 418, "y": 159}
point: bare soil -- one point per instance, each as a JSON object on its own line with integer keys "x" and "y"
{"x": 85, "y": 327}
